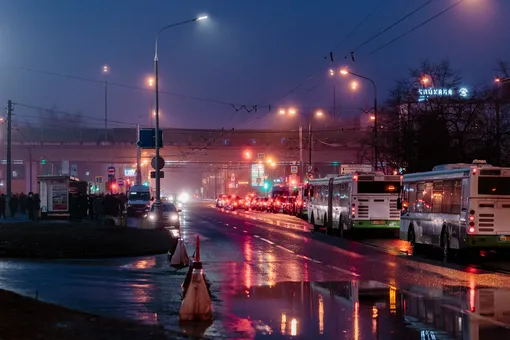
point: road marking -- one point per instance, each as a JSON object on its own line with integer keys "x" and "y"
{"x": 244, "y": 231}
{"x": 257, "y": 236}
{"x": 234, "y": 227}
{"x": 287, "y": 250}
{"x": 266, "y": 240}
{"x": 342, "y": 270}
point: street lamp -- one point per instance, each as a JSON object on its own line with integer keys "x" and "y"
{"x": 157, "y": 204}
{"x": 346, "y": 72}
{"x": 317, "y": 114}
{"x": 106, "y": 70}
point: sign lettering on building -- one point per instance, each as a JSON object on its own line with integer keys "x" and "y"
{"x": 425, "y": 93}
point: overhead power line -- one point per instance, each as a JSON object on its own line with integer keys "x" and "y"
{"x": 233, "y": 105}
{"x": 375, "y": 36}
{"x": 447, "y": 9}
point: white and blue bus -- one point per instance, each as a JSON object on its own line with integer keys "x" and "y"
{"x": 457, "y": 206}
{"x": 359, "y": 200}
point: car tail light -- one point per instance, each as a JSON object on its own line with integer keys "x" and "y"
{"x": 471, "y": 224}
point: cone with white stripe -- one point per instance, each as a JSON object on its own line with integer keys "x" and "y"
{"x": 180, "y": 258}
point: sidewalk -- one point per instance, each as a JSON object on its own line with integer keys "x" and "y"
{"x": 16, "y": 219}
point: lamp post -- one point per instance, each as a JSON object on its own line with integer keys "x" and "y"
{"x": 346, "y": 72}
{"x": 106, "y": 69}
{"x": 157, "y": 203}
{"x": 293, "y": 112}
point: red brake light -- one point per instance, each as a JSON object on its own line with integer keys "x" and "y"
{"x": 474, "y": 171}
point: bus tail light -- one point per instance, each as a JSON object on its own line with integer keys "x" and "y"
{"x": 471, "y": 225}
{"x": 474, "y": 171}
{"x": 353, "y": 210}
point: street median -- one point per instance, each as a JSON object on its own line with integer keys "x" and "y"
{"x": 47, "y": 239}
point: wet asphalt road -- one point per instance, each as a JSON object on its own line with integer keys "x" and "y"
{"x": 274, "y": 278}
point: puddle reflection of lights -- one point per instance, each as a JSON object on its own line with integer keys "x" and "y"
{"x": 293, "y": 327}
{"x": 375, "y": 312}
{"x": 356, "y": 320}
{"x": 393, "y": 300}
{"x": 321, "y": 315}
{"x": 283, "y": 324}
{"x": 271, "y": 276}
{"x": 247, "y": 276}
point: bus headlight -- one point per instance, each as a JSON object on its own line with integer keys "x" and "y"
{"x": 174, "y": 217}
{"x": 174, "y": 233}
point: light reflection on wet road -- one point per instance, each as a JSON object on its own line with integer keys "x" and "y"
{"x": 271, "y": 276}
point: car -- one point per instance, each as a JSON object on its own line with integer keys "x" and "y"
{"x": 289, "y": 207}
{"x": 220, "y": 201}
{"x": 171, "y": 218}
{"x": 276, "y": 204}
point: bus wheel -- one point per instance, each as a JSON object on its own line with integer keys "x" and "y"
{"x": 445, "y": 244}
{"x": 315, "y": 227}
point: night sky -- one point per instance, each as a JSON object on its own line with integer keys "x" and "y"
{"x": 247, "y": 53}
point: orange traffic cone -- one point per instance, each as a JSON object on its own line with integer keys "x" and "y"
{"x": 180, "y": 257}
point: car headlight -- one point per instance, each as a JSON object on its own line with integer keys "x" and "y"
{"x": 152, "y": 217}
{"x": 179, "y": 205}
{"x": 174, "y": 233}
{"x": 174, "y": 217}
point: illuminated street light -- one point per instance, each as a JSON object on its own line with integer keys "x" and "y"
{"x": 292, "y": 112}
{"x": 354, "y": 85}
{"x": 372, "y": 117}
{"x": 282, "y": 112}
{"x": 497, "y": 80}
{"x": 319, "y": 113}
{"x": 424, "y": 80}
{"x": 150, "y": 81}
{"x": 331, "y": 72}
{"x": 105, "y": 69}
{"x": 157, "y": 203}
{"x": 344, "y": 72}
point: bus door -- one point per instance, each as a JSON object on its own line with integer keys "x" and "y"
{"x": 330, "y": 204}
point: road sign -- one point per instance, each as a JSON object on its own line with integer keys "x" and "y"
{"x": 111, "y": 171}
{"x": 99, "y": 179}
{"x": 161, "y": 174}
{"x": 294, "y": 169}
{"x": 120, "y": 182}
{"x": 147, "y": 139}
{"x": 261, "y": 155}
{"x": 161, "y": 163}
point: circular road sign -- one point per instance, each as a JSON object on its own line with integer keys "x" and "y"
{"x": 161, "y": 163}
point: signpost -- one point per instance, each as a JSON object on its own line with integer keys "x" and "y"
{"x": 120, "y": 182}
{"x": 147, "y": 139}
{"x": 99, "y": 179}
{"x": 161, "y": 163}
{"x": 294, "y": 169}
{"x": 111, "y": 172}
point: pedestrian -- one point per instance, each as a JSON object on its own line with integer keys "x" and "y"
{"x": 30, "y": 206}
{"x": 23, "y": 203}
{"x": 36, "y": 204}
{"x": 3, "y": 203}
{"x": 13, "y": 205}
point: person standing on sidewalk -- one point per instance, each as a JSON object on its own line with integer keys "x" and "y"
{"x": 13, "y": 205}
{"x": 30, "y": 206}
{"x": 3, "y": 203}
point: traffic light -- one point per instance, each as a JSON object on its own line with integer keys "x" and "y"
{"x": 43, "y": 161}
{"x": 146, "y": 183}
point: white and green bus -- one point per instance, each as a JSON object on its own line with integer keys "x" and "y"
{"x": 457, "y": 206}
{"x": 360, "y": 200}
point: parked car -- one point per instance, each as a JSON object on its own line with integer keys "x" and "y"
{"x": 220, "y": 201}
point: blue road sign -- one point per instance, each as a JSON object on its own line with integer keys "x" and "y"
{"x": 148, "y": 139}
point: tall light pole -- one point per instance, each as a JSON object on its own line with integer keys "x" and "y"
{"x": 157, "y": 203}
{"x": 106, "y": 69}
{"x": 293, "y": 112}
{"x": 346, "y": 72}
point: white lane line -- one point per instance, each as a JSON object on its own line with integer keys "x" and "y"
{"x": 342, "y": 270}
{"x": 234, "y": 227}
{"x": 244, "y": 231}
{"x": 266, "y": 240}
{"x": 287, "y": 250}
{"x": 257, "y": 236}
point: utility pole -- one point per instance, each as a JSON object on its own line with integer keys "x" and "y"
{"x": 138, "y": 158}
{"x": 498, "y": 131}
{"x": 310, "y": 145}
{"x": 9, "y": 156}
{"x": 106, "y": 111}
{"x": 301, "y": 164}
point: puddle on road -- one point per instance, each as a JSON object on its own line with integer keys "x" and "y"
{"x": 364, "y": 310}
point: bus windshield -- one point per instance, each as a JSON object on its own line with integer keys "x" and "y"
{"x": 139, "y": 196}
{"x": 494, "y": 185}
{"x": 378, "y": 187}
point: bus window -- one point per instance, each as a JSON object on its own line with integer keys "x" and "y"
{"x": 446, "y": 206}
{"x": 437, "y": 197}
{"x": 494, "y": 185}
{"x": 378, "y": 187}
{"x": 412, "y": 197}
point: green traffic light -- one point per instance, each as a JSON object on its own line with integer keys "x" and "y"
{"x": 43, "y": 161}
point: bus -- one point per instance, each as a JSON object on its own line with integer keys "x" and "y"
{"x": 457, "y": 206}
{"x": 359, "y": 200}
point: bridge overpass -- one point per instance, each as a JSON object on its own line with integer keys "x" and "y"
{"x": 204, "y": 150}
